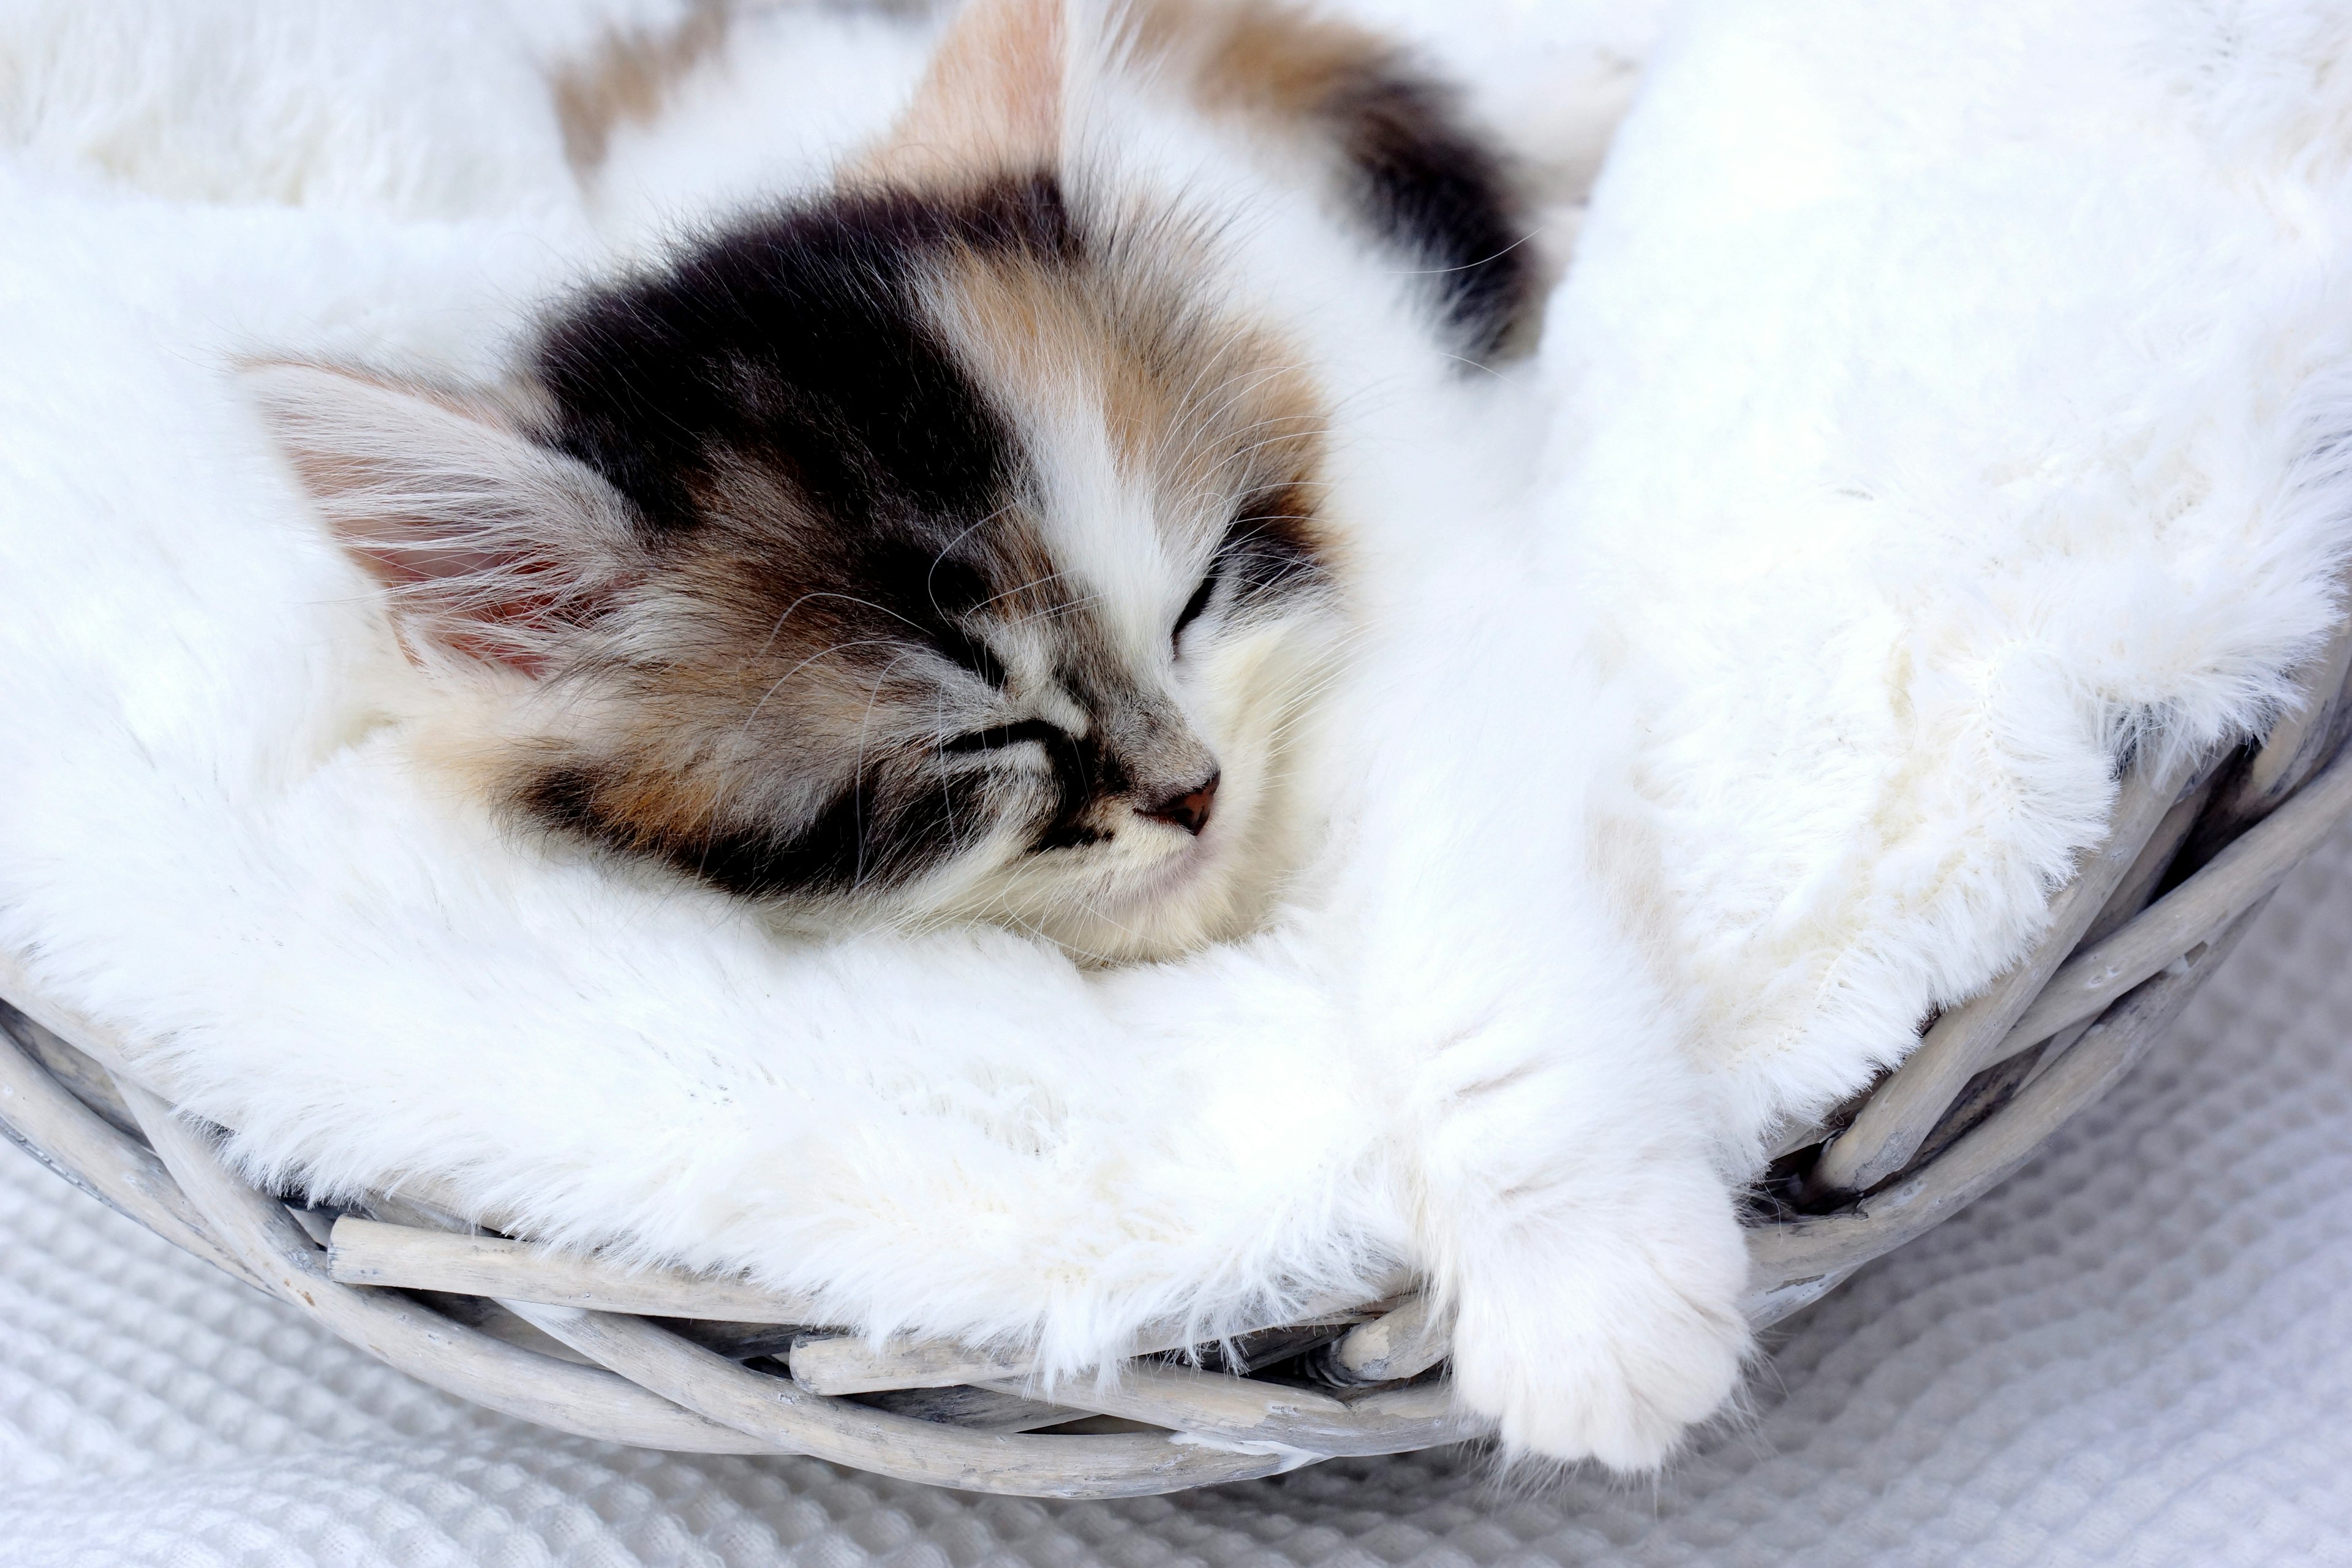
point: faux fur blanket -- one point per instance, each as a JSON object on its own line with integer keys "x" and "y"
{"x": 1939, "y": 399}
{"x": 1951, "y": 394}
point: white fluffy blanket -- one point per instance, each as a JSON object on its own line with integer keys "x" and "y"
{"x": 1952, "y": 394}
{"x": 1942, "y": 398}
{"x": 2137, "y": 1353}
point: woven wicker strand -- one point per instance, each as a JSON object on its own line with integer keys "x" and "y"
{"x": 669, "y": 1360}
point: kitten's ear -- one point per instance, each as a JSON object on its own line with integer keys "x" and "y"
{"x": 991, "y": 102}
{"x": 491, "y": 545}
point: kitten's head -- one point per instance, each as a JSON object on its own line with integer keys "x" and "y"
{"x": 951, "y": 546}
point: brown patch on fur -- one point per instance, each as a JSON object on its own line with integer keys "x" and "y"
{"x": 991, "y": 101}
{"x": 664, "y": 757}
{"x": 1262, "y": 58}
{"x": 1193, "y": 403}
{"x": 628, "y": 80}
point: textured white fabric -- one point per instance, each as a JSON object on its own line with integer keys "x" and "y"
{"x": 2138, "y": 1351}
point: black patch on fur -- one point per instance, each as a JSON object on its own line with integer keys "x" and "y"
{"x": 854, "y": 843}
{"x": 797, "y": 343}
{"x": 1194, "y": 605}
{"x": 1424, "y": 181}
{"x": 964, "y": 650}
{"x": 563, "y": 798}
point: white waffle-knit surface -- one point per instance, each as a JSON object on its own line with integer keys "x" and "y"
{"x": 2138, "y": 1352}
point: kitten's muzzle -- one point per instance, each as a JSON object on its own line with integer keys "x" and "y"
{"x": 1187, "y": 809}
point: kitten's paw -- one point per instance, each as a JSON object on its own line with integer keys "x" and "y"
{"x": 1605, "y": 1346}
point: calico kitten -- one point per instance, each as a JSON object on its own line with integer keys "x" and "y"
{"x": 954, "y": 543}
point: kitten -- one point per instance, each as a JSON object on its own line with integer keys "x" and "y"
{"x": 957, "y": 544}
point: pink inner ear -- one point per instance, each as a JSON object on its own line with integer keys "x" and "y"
{"x": 403, "y": 564}
{"x": 492, "y": 545}
{"x": 470, "y": 602}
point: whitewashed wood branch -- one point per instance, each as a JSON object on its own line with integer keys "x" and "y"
{"x": 847, "y": 1363}
{"x": 2238, "y": 877}
{"x": 1906, "y": 1107}
{"x": 1245, "y": 1410}
{"x": 66, "y": 1135}
{"x": 81, "y": 1075}
{"x": 2297, "y": 745}
{"x": 780, "y": 1413}
{"x": 1395, "y": 1346}
{"x": 2139, "y": 884}
{"x": 367, "y": 1252}
{"x": 979, "y": 1409}
{"x": 423, "y": 1343}
{"x": 1808, "y": 1248}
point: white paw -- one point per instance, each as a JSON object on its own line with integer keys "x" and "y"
{"x": 1603, "y": 1336}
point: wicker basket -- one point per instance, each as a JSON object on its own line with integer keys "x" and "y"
{"x": 698, "y": 1364}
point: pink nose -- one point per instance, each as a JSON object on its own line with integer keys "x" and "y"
{"x": 1190, "y": 810}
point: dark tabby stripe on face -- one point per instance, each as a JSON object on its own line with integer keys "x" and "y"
{"x": 851, "y": 843}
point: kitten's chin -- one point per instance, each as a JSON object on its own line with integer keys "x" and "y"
{"x": 1196, "y": 895}
{"x": 1142, "y": 926}
{"x": 1220, "y": 890}
{"x": 1168, "y": 909}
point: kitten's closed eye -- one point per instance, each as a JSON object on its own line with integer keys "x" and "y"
{"x": 995, "y": 740}
{"x": 1192, "y": 608}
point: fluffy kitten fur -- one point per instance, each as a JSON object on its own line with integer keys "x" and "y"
{"x": 949, "y": 545}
